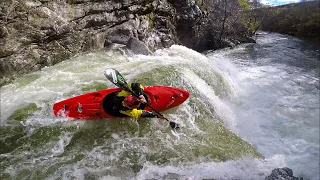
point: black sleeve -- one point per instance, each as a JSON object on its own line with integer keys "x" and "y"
{"x": 148, "y": 114}
{"x": 136, "y": 88}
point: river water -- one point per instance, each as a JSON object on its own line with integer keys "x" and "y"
{"x": 251, "y": 109}
{"x": 277, "y": 81}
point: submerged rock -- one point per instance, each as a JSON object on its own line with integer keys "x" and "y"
{"x": 24, "y": 113}
{"x": 282, "y": 174}
{"x": 137, "y": 47}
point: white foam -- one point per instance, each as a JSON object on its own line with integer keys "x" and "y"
{"x": 220, "y": 107}
{"x": 247, "y": 168}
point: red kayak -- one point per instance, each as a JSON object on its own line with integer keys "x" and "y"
{"x": 99, "y": 104}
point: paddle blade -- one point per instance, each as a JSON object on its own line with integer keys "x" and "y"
{"x": 174, "y": 125}
{"x": 116, "y": 78}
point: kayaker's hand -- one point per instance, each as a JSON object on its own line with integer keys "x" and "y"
{"x": 142, "y": 99}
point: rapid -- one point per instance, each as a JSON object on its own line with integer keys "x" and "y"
{"x": 251, "y": 109}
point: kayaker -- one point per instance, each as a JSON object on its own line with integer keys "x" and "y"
{"x": 128, "y": 104}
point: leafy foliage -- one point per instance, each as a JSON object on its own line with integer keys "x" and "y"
{"x": 300, "y": 19}
{"x": 244, "y": 4}
{"x": 229, "y": 19}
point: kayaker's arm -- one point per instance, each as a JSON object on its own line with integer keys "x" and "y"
{"x": 148, "y": 114}
{"x": 136, "y": 88}
{"x": 137, "y": 113}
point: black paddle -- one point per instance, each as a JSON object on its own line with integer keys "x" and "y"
{"x": 117, "y": 79}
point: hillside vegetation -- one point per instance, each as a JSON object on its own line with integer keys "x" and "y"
{"x": 300, "y": 19}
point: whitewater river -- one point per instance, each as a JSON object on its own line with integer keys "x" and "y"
{"x": 251, "y": 109}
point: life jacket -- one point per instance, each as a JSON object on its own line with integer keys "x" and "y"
{"x": 118, "y": 106}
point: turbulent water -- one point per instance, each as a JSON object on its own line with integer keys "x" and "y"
{"x": 251, "y": 109}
